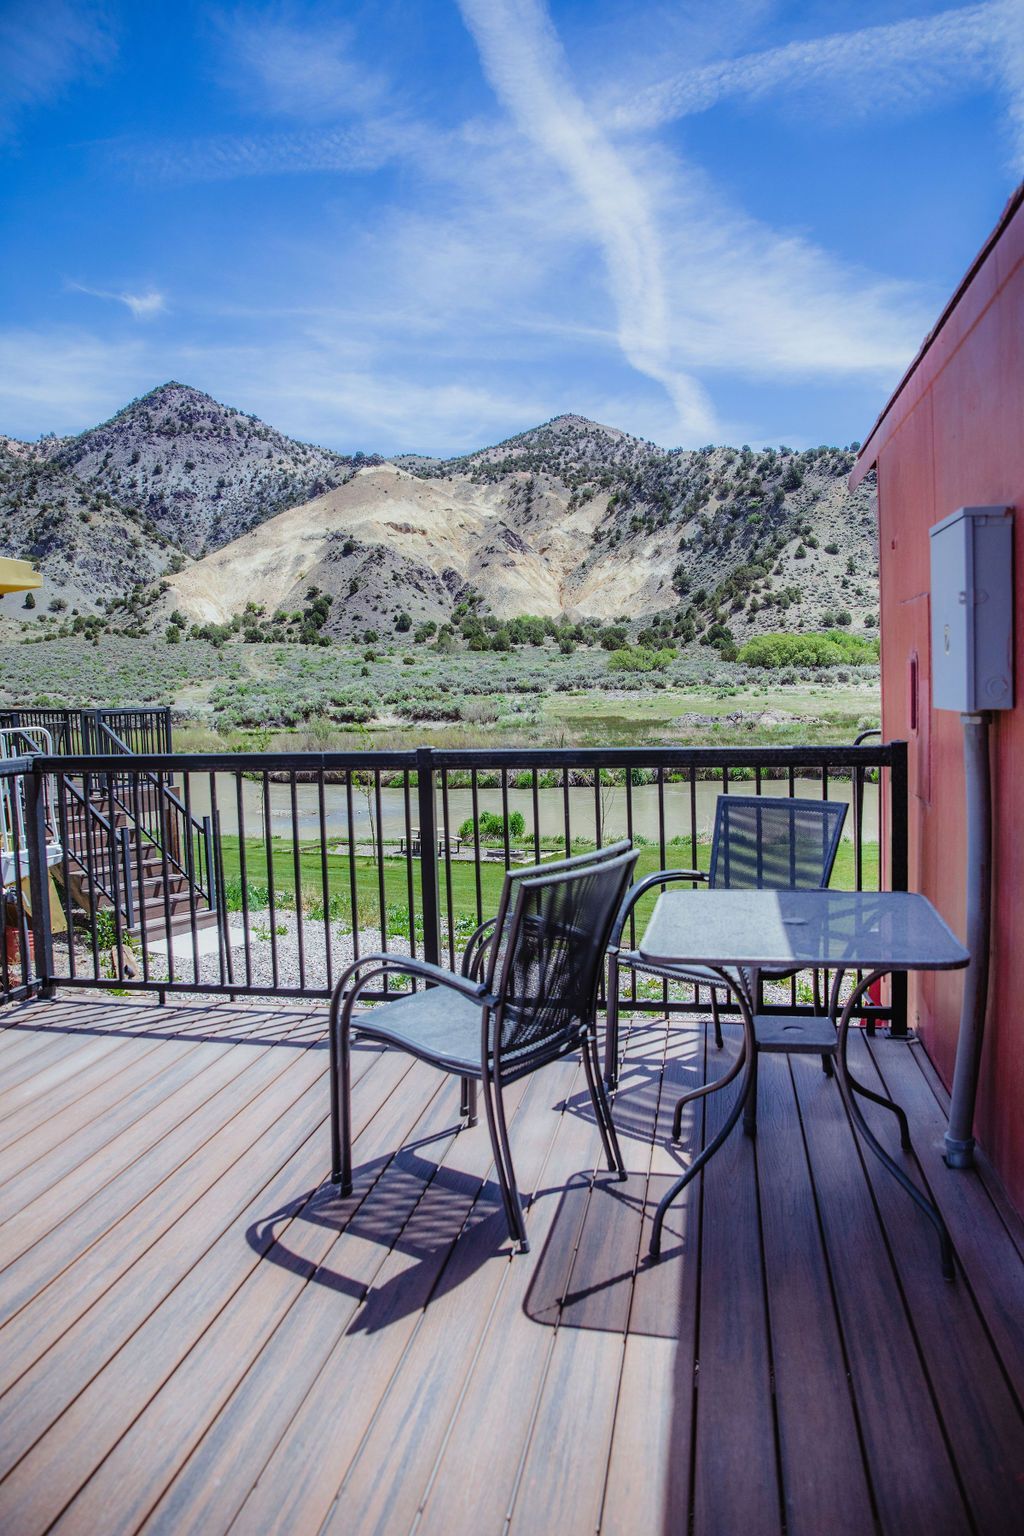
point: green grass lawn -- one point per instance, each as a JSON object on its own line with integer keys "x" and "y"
{"x": 463, "y": 882}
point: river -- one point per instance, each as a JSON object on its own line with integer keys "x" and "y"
{"x": 460, "y": 808}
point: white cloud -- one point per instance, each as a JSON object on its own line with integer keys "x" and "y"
{"x": 324, "y": 391}
{"x": 43, "y": 48}
{"x": 144, "y": 306}
{"x": 699, "y": 286}
{"x": 223, "y": 157}
{"x": 899, "y": 66}
{"x": 758, "y": 302}
{"x": 64, "y": 380}
{"x": 298, "y": 68}
{"x": 1009, "y": 27}
{"x": 310, "y": 395}
{"x": 497, "y": 263}
{"x": 526, "y": 257}
{"x": 523, "y": 60}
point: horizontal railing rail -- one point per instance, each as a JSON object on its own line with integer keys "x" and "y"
{"x": 290, "y": 865}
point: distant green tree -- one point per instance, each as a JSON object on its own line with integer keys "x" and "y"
{"x": 614, "y": 637}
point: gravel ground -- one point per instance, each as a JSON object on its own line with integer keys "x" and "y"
{"x": 311, "y": 972}
{"x": 292, "y": 975}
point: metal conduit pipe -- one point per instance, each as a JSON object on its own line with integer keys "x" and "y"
{"x": 959, "y": 1138}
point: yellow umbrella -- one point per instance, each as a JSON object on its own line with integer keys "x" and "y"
{"x": 17, "y": 576}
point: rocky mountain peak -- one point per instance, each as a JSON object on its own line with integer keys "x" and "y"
{"x": 203, "y": 472}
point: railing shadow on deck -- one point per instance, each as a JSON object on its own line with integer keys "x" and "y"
{"x": 274, "y": 1028}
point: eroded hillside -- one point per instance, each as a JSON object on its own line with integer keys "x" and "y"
{"x": 571, "y": 518}
{"x": 91, "y": 549}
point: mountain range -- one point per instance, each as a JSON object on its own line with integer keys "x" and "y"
{"x": 571, "y": 517}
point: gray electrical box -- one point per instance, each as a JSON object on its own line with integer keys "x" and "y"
{"x": 972, "y": 610}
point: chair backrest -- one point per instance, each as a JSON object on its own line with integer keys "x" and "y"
{"x": 515, "y": 877}
{"x": 547, "y": 976}
{"x": 762, "y": 842}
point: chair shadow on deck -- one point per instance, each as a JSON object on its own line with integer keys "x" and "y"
{"x": 444, "y": 1219}
{"x": 451, "y": 1224}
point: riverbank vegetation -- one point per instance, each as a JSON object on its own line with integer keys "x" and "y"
{"x": 269, "y": 697}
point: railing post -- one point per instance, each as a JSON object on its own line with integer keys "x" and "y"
{"x": 899, "y": 868}
{"x": 126, "y": 860}
{"x": 91, "y": 731}
{"x": 38, "y": 881}
{"x": 211, "y": 872}
{"x": 427, "y": 807}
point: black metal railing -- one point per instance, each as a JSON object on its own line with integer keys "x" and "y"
{"x": 75, "y": 731}
{"x": 282, "y": 868}
{"x": 23, "y": 885}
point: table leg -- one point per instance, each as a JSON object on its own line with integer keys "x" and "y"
{"x": 850, "y": 1088}
{"x": 749, "y": 1049}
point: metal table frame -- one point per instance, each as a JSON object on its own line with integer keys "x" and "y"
{"x": 739, "y": 974}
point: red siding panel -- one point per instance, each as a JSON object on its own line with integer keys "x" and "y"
{"x": 955, "y": 437}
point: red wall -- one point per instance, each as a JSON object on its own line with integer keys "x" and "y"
{"x": 954, "y": 436}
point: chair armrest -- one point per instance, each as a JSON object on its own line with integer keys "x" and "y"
{"x": 633, "y": 895}
{"x": 380, "y": 964}
{"x": 476, "y": 949}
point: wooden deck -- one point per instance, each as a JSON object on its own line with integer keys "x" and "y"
{"x": 198, "y": 1335}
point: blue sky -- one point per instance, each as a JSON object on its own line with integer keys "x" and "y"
{"x": 429, "y": 224}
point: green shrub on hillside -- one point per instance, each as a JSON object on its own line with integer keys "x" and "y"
{"x": 831, "y": 649}
{"x": 638, "y": 658}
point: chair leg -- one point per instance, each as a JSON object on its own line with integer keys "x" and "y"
{"x": 602, "y": 1109}
{"x": 341, "y": 1098}
{"x": 467, "y": 1106}
{"x": 826, "y": 1064}
{"x": 750, "y": 1107}
{"x": 494, "y": 1107}
{"x": 719, "y": 1042}
{"x": 611, "y": 1026}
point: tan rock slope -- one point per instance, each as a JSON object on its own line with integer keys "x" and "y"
{"x": 571, "y": 519}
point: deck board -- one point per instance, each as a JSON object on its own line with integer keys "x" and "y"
{"x": 736, "y": 1484}
{"x": 913, "y": 1478}
{"x": 822, "y": 1493}
{"x": 196, "y": 1333}
{"x": 981, "y": 1417}
{"x": 648, "y": 1486}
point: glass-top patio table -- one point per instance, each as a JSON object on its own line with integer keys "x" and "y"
{"x": 738, "y": 933}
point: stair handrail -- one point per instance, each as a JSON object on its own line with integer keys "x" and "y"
{"x": 87, "y": 866}
{"x": 192, "y": 823}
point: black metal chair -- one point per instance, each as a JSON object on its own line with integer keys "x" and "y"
{"x": 760, "y": 842}
{"x": 526, "y": 996}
